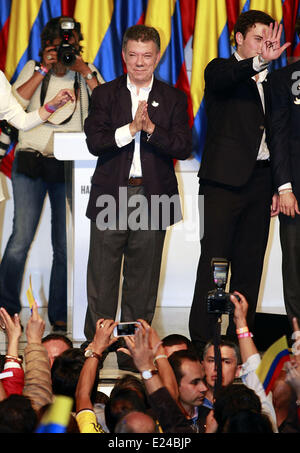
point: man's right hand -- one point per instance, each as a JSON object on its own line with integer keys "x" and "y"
{"x": 137, "y": 123}
{"x": 288, "y": 204}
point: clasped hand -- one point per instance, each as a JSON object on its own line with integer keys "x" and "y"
{"x": 141, "y": 121}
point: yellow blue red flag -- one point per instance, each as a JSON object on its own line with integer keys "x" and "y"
{"x": 207, "y": 24}
{"x": 57, "y": 416}
{"x": 272, "y": 363}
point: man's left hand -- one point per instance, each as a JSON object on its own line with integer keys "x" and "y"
{"x": 148, "y": 126}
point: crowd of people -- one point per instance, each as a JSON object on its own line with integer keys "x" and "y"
{"x": 174, "y": 390}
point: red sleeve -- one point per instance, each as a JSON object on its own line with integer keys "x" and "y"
{"x": 15, "y": 383}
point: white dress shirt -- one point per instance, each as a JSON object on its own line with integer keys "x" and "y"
{"x": 13, "y": 113}
{"x": 123, "y": 135}
{"x": 263, "y": 152}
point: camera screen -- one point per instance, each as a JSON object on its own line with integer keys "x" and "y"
{"x": 220, "y": 273}
{"x": 126, "y": 329}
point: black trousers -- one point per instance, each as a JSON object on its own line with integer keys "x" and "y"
{"x": 140, "y": 251}
{"x": 289, "y": 230}
{"x": 236, "y": 227}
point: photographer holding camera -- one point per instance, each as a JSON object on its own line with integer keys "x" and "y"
{"x": 35, "y": 171}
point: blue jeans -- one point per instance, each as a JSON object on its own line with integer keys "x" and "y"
{"x": 29, "y": 195}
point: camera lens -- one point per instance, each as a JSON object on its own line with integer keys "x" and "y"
{"x": 68, "y": 59}
{"x": 66, "y": 54}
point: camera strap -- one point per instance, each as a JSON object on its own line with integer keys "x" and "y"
{"x": 217, "y": 353}
{"x": 44, "y": 89}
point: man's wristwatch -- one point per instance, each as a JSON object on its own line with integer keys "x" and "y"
{"x": 90, "y": 353}
{"x": 148, "y": 374}
{"x": 90, "y": 75}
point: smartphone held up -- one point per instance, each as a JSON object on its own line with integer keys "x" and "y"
{"x": 125, "y": 329}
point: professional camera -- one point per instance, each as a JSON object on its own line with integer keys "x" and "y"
{"x": 66, "y": 53}
{"x": 218, "y": 301}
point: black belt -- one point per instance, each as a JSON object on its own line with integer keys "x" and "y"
{"x": 262, "y": 163}
{"x": 135, "y": 181}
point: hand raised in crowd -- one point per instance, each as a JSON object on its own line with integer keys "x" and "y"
{"x": 12, "y": 326}
{"x": 293, "y": 367}
{"x": 271, "y": 49}
{"x": 296, "y": 344}
{"x": 293, "y": 376}
{"x": 240, "y": 309}
{"x": 35, "y": 327}
{"x": 141, "y": 349}
{"x": 154, "y": 341}
{"x": 103, "y": 335}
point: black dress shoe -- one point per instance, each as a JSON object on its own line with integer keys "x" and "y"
{"x": 125, "y": 362}
{"x": 120, "y": 343}
{"x": 84, "y": 345}
{"x": 59, "y": 328}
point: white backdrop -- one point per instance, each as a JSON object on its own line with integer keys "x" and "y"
{"x": 181, "y": 252}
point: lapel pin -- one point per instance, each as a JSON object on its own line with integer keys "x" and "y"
{"x": 155, "y": 104}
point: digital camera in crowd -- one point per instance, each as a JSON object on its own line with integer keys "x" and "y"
{"x": 66, "y": 52}
{"x": 218, "y": 301}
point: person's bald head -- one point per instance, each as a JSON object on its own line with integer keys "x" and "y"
{"x": 136, "y": 422}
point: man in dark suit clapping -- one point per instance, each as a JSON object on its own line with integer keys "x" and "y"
{"x": 137, "y": 126}
{"x": 235, "y": 176}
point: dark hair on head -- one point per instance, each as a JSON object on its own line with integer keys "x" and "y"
{"x": 65, "y": 372}
{"x": 224, "y": 342}
{"x": 129, "y": 381}
{"x": 141, "y": 33}
{"x": 17, "y": 415}
{"x": 51, "y": 31}
{"x": 248, "y": 422}
{"x": 58, "y": 336}
{"x": 178, "y": 357}
{"x": 120, "y": 403}
{"x": 248, "y": 19}
{"x": 175, "y": 338}
{"x": 231, "y": 400}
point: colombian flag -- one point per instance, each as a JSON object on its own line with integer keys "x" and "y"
{"x": 56, "y": 418}
{"x": 272, "y": 363}
{"x": 206, "y": 47}
{"x": 204, "y": 27}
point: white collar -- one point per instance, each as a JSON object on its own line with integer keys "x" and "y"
{"x": 131, "y": 86}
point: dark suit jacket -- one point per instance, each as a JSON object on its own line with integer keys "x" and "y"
{"x": 236, "y": 121}
{"x": 172, "y": 139}
{"x": 285, "y": 127}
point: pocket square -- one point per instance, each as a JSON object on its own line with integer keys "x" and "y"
{"x": 155, "y": 104}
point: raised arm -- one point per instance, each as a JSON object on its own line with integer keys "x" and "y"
{"x": 246, "y": 343}
{"x": 101, "y": 341}
{"x": 38, "y": 385}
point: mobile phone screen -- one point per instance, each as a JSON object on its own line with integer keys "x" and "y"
{"x": 125, "y": 329}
